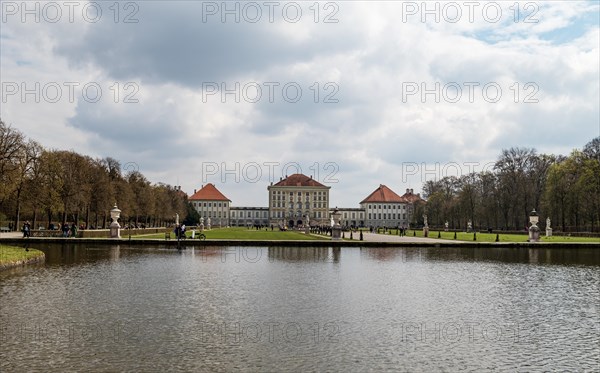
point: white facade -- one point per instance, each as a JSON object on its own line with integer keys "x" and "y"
{"x": 386, "y": 214}
{"x": 249, "y": 216}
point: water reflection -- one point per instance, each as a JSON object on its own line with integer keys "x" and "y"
{"x": 68, "y": 254}
{"x": 564, "y": 256}
{"x": 132, "y": 308}
{"x": 305, "y": 254}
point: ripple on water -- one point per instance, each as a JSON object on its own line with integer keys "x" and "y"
{"x": 358, "y": 310}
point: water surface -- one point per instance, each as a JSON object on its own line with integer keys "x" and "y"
{"x": 302, "y": 309}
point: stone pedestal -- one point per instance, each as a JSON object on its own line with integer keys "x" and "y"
{"x": 115, "y": 230}
{"x": 425, "y": 231}
{"x": 534, "y": 233}
{"x": 548, "y": 232}
{"x": 115, "y": 227}
{"x": 336, "y": 232}
{"x": 336, "y": 229}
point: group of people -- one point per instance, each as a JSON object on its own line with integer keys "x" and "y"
{"x": 179, "y": 231}
{"x": 69, "y": 231}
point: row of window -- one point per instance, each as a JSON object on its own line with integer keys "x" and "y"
{"x": 386, "y": 216}
{"x": 291, "y": 205}
{"x": 210, "y": 204}
{"x": 280, "y": 192}
{"x": 296, "y": 214}
{"x": 213, "y": 214}
{"x": 353, "y": 215}
{"x": 249, "y": 214}
{"x": 307, "y": 199}
{"x": 387, "y": 207}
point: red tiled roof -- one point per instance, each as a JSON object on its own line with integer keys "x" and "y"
{"x": 383, "y": 194}
{"x": 299, "y": 180}
{"x": 208, "y": 193}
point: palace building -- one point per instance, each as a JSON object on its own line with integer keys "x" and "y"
{"x": 385, "y": 208}
{"x": 209, "y": 202}
{"x": 297, "y": 197}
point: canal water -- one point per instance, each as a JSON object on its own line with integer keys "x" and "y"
{"x": 278, "y": 309}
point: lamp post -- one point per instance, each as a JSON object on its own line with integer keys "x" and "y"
{"x": 534, "y": 230}
{"x": 115, "y": 228}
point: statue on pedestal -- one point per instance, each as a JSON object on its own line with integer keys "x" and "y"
{"x": 548, "y": 228}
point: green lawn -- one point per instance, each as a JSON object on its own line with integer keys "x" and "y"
{"x": 491, "y": 237}
{"x": 239, "y": 233}
{"x": 13, "y": 254}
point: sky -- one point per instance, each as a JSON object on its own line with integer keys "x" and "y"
{"x": 354, "y": 93}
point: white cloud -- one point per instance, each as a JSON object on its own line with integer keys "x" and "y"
{"x": 370, "y": 134}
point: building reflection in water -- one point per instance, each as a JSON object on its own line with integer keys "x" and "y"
{"x": 535, "y": 255}
{"x": 305, "y": 254}
{"x": 387, "y": 253}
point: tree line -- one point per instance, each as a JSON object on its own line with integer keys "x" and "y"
{"x": 564, "y": 188}
{"x": 47, "y": 186}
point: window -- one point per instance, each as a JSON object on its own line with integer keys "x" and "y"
{"x": 204, "y": 204}
{"x": 384, "y": 207}
{"x": 379, "y": 216}
{"x": 369, "y": 216}
{"x": 384, "y": 216}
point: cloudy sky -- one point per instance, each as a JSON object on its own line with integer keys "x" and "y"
{"x": 355, "y": 93}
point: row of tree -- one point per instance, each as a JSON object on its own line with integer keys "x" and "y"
{"x": 564, "y": 188}
{"x": 48, "y": 186}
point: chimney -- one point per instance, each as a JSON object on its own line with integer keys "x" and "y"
{"x": 280, "y": 178}
{"x": 411, "y": 191}
{"x": 407, "y": 190}
{"x": 194, "y": 191}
